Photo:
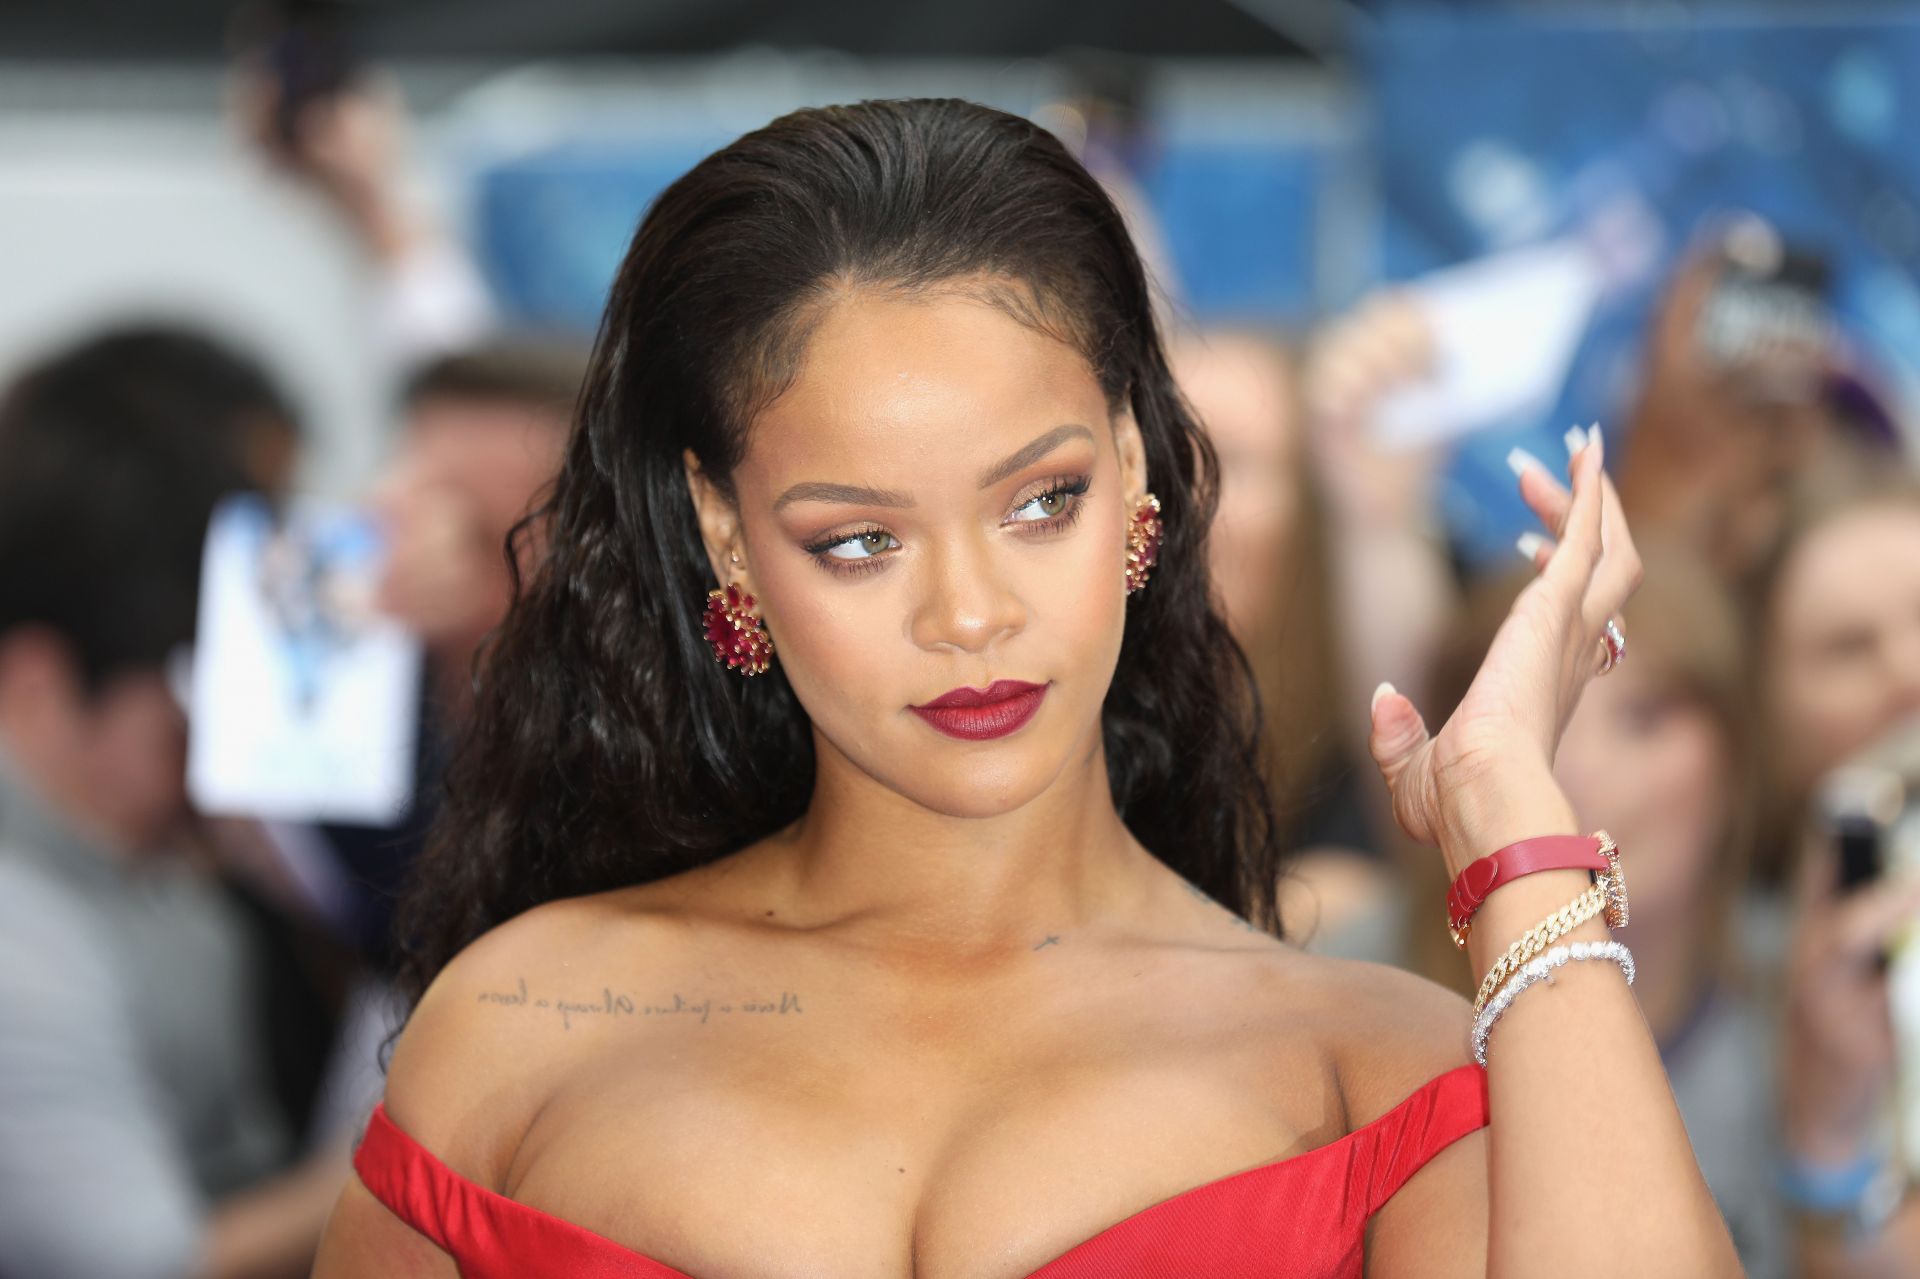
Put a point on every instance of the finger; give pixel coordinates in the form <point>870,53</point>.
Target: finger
<point>1396,734</point>
<point>1536,550</point>
<point>1620,571</point>
<point>1867,920</point>
<point>1572,567</point>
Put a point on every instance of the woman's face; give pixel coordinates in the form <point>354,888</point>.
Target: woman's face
<point>1653,767</point>
<point>1845,643</point>
<point>938,502</point>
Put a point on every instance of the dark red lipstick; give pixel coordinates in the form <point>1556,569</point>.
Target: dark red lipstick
<point>981,714</point>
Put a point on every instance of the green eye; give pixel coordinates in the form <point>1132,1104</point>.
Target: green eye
<point>862,546</point>
<point>1049,504</point>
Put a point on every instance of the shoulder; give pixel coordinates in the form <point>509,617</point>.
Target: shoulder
<point>45,921</point>
<point>1387,1031</point>
<point>494,1034</point>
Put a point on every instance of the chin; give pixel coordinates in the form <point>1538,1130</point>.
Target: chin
<point>972,779</point>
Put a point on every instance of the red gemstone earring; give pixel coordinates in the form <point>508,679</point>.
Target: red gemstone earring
<point>734,630</point>
<point>1144,531</point>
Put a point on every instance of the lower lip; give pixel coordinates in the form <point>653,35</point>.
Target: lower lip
<point>984,723</point>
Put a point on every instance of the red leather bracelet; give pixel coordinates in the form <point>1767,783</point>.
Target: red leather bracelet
<point>1595,852</point>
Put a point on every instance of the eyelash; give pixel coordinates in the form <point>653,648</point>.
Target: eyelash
<point>1074,487</point>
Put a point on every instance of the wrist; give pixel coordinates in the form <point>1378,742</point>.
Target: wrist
<point>1500,808</point>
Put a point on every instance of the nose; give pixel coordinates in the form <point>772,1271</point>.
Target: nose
<point>967,602</point>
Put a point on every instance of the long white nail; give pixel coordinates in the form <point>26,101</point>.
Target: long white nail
<point>1380,692</point>
<point>1593,434</point>
<point>1518,460</point>
<point>1576,440</point>
<point>1530,545</point>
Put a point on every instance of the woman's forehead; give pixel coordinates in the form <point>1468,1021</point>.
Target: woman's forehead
<point>1858,563</point>
<point>902,383</point>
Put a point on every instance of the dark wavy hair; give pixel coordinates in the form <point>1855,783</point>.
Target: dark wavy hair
<point>606,747</point>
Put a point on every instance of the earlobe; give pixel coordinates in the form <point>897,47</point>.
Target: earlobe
<point>1132,454</point>
<point>719,522</point>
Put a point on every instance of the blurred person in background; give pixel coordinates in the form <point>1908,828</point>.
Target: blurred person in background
<point>339,129</point>
<point>1743,388</point>
<point>142,1137</point>
<point>1836,605</point>
<point>481,434</point>
<point>1269,562</point>
<point>1332,568</point>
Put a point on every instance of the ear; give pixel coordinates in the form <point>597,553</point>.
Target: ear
<point>719,524</point>
<point>1132,454</point>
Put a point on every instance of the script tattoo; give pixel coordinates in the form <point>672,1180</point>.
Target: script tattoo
<point>619,1004</point>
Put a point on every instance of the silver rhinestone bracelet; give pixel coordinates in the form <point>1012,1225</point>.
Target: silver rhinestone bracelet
<point>1541,969</point>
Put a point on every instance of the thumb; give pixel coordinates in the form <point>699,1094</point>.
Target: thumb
<point>1398,732</point>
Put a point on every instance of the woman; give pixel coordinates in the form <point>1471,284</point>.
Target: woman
<point>1836,605</point>
<point>1269,559</point>
<point>938,948</point>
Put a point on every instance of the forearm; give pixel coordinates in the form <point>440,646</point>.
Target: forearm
<point>1591,1169</point>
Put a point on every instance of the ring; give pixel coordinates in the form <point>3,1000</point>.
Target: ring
<point>1614,641</point>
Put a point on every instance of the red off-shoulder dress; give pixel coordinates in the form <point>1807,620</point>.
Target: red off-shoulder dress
<point>1303,1218</point>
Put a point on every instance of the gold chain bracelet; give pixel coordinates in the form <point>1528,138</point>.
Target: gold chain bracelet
<point>1542,935</point>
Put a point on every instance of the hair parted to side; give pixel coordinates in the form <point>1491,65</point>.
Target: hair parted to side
<point>607,748</point>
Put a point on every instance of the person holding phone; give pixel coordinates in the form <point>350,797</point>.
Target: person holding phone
<point>1837,609</point>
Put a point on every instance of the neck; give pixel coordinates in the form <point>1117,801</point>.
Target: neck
<point>901,876</point>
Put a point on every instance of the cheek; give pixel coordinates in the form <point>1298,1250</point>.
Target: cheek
<point>847,647</point>
<point>1824,716</point>
<point>141,741</point>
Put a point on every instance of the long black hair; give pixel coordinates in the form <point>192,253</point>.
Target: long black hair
<point>606,747</point>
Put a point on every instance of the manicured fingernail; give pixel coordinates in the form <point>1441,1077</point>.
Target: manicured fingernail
<point>1530,545</point>
<point>1593,435</point>
<point>1380,692</point>
<point>1518,460</point>
<point>1576,440</point>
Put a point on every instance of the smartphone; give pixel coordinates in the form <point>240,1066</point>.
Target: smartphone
<point>1871,808</point>
<point>1859,805</point>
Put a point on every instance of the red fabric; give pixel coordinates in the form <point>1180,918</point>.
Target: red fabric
<point>1304,1217</point>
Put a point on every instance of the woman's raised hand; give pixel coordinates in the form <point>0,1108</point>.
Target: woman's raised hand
<point>1486,778</point>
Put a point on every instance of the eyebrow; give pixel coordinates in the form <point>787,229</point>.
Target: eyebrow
<point>855,494</point>
<point>861,495</point>
<point>1033,452</point>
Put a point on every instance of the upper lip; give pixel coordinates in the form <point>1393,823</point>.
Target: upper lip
<point>998,691</point>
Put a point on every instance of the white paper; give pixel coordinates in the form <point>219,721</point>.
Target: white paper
<point>304,700</point>
<point>1505,332</point>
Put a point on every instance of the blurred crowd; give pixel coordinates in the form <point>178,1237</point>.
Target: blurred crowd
<point>189,1033</point>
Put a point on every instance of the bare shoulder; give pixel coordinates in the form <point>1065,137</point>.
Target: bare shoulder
<point>1388,1031</point>
<point>475,1062</point>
